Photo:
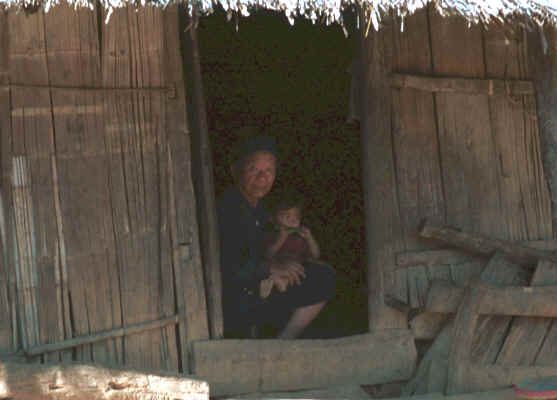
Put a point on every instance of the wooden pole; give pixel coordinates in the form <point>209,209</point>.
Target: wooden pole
<point>202,166</point>
<point>543,65</point>
<point>483,245</point>
<point>97,337</point>
<point>382,221</point>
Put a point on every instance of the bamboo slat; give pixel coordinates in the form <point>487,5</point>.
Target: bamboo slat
<point>84,220</point>
<point>134,56</point>
<point>102,336</point>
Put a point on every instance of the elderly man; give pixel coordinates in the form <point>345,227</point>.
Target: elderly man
<point>242,219</point>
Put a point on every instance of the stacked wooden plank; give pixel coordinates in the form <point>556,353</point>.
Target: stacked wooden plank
<point>501,327</point>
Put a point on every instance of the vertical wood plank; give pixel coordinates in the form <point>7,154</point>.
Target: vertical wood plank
<point>416,149</point>
<point>543,71</point>
<point>468,157</point>
<point>383,228</point>
<point>8,328</point>
<point>191,299</point>
<point>202,168</point>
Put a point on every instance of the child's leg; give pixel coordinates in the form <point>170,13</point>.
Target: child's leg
<point>300,319</point>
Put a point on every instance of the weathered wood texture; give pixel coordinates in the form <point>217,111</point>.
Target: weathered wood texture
<point>419,189</point>
<point>8,328</point>
<point>244,366</point>
<point>433,372</point>
<point>527,335</point>
<point>543,64</point>
<point>524,301</point>
<point>97,198</point>
<point>427,325</point>
<point>35,191</point>
<point>383,226</point>
<point>543,68</point>
<point>186,254</point>
<point>467,169</point>
<point>352,392</point>
<point>102,336</point>
<point>425,378</point>
<point>490,87</point>
<point>88,382</point>
<point>202,167</point>
<point>485,245</point>
<point>490,377</point>
<point>82,198</point>
<point>501,394</point>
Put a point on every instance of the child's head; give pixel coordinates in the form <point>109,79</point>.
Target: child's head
<point>288,211</point>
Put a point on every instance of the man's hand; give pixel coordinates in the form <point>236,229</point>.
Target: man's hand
<point>291,270</point>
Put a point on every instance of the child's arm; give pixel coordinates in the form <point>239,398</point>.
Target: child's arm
<point>312,243</point>
<point>276,243</point>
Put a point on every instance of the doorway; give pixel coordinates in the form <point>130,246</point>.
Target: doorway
<point>263,75</point>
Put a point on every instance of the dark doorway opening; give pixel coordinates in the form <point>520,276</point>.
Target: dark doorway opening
<point>263,75</point>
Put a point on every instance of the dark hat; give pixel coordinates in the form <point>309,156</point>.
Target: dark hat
<point>253,144</point>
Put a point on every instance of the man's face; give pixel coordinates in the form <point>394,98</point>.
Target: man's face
<point>289,218</point>
<point>257,176</point>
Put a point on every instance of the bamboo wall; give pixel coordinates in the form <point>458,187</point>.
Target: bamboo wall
<point>470,160</point>
<point>97,214</point>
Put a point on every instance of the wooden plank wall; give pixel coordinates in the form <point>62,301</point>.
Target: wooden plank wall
<point>468,160</point>
<point>96,190</point>
<point>8,329</point>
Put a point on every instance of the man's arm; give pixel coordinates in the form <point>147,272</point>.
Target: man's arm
<point>239,269</point>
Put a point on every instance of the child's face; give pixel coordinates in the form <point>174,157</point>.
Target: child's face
<point>289,218</point>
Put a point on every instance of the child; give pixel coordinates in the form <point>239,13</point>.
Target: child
<point>289,241</point>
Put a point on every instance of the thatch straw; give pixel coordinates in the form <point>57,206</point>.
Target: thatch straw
<point>330,11</point>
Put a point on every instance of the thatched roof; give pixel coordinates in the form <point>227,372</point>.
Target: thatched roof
<point>329,11</point>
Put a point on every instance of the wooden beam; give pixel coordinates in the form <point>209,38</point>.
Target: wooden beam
<point>501,394</point>
<point>464,327</point>
<point>245,366</point>
<point>100,336</point>
<point>480,244</point>
<point>427,325</point>
<point>443,297</point>
<point>524,301</point>
<point>202,168</point>
<point>543,66</point>
<point>412,258</point>
<point>88,382</point>
<point>490,87</point>
<point>433,257</point>
<point>496,376</point>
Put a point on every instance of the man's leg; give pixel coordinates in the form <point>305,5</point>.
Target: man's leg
<point>300,319</point>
